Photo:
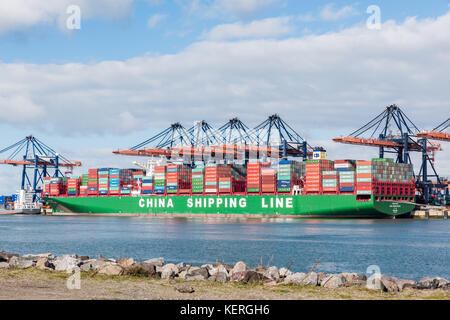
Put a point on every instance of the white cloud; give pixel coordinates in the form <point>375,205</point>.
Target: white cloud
<point>330,13</point>
<point>155,19</point>
<point>323,85</point>
<point>266,28</point>
<point>22,14</point>
<point>219,8</point>
<point>242,7</point>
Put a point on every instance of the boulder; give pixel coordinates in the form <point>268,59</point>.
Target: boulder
<point>169,271</point>
<point>253,277</point>
<point>182,274</point>
<point>238,276</point>
<point>5,256</point>
<point>432,283</point>
<point>375,283</point>
<point>405,284</point>
<point>93,264</point>
<point>181,265</point>
<point>284,272</point>
<point>142,269</point>
<point>239,267</point>
<point>321,276</point>
<point>217,269</point>
<point>44,263</point>
<point>219,276</point>
<point>354,279</point>
<point>333,281</point>
<point>184,289</point>
<point>197,274</point>
<point>390,284</point>
<point>295,278</point>
<point>36,257</point>
<point>111,270</point>
<point>126,263</point>
<point>157,262</point>
<point>84,258</point>
<point>272,273</point>
<point>4,265</point>
<point>208,266</point>
<point>66,263</point>
<point>311,279</point>
<point>19,262</point>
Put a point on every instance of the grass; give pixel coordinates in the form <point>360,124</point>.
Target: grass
<point>34,283</point>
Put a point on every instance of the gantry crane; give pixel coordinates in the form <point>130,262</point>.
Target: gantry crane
<point>234,139</point>
<point>38,157</point>
<point>393,132</point>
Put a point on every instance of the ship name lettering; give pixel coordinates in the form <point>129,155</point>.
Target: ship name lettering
<point>279,203</point>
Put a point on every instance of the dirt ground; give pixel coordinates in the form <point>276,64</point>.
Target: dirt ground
<point>32,284</point>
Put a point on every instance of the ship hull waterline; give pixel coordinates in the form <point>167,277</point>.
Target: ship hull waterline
<point>231,206</point>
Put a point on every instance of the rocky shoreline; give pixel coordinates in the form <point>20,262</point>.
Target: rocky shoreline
<point>218,272</point>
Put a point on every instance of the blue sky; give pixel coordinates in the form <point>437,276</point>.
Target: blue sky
<point>129,36</point>
<point>136,66</point>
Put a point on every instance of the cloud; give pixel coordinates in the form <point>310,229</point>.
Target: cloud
<point>329,13</point>
<point>266,28</point>
<point>323,85</point>
<point>155,19</point>
<point>22,14</point>
<point>243,7</point>
<point>218,8</point>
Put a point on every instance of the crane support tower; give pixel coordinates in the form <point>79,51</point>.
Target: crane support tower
<point>34,155</point>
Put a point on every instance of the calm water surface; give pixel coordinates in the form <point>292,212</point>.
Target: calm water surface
<point>409,249</point>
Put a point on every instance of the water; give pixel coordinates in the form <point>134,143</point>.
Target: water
<point>410,249</point>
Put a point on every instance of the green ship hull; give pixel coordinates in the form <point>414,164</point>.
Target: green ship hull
<point>248,206</point>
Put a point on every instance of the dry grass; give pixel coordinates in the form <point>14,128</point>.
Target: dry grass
<point>41,284</point>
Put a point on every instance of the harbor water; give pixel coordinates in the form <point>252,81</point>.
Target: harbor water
<point>404,248</point>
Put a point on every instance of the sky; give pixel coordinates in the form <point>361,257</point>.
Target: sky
<point>88,77</point>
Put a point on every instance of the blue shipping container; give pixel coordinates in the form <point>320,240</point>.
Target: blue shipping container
<point>347,189</point>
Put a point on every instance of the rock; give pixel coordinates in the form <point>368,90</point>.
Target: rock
<point>354,279</point>
<point>431,283</point>
<point>333,281</point>
<point>284,272</point>
<point>84,258</point>
<point>19,262</point>
<point>390,284</point>
<point>295,278</point>
<point>44,263</point>
<point>272,273</point>
<point>375,283</point>
<point>169,271</point>
<point>311,279</point>
<point>111,270</point>
<point>181,265</point>
<point>4,265</point>
<point>184,289</point>
<point>36,257</point>
<point>157,262</point>
<point>126,263</point>
<point>197,274</point>
<point>239,267</point>
<point>93,264</point>
<point>5,256</point>
<point>142,269</point>
<point>405,284</point>
<point>219,276</point>
<point>320,276</point>
<point>182,274</point>
<point>238,276</point>
<point>172,267</point>
<point>208,266</point>
<point>66,263</point>
<point>253,277</point>
<point>217,269</point>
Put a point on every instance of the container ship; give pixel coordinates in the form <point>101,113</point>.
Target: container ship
<point>284,189</point>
